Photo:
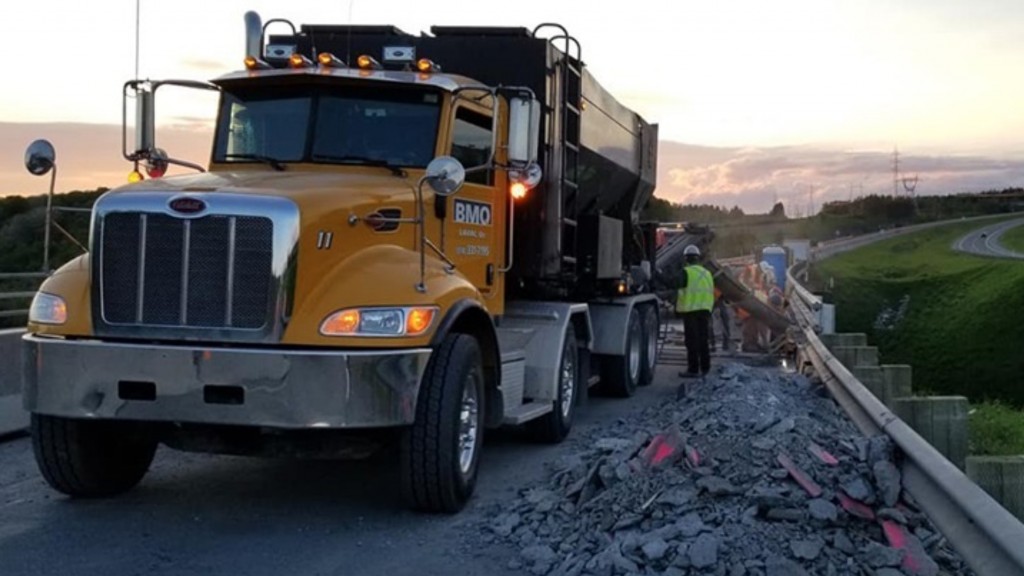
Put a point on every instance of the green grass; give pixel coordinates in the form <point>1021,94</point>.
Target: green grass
<point>996,430</point>
<point>963,327</point>
<point>1014,239</point>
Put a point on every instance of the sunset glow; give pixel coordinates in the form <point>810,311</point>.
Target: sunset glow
<point>774,96</point>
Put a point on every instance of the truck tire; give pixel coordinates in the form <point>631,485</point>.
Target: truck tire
<point>91,458</point>
<point>622,373</point>
<point>554,426</point>
<point>440,452</point>
<point>650,329</point>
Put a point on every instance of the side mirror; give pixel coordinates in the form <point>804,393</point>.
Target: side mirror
<point>445,175</point>
<point>523,130</point>
<point>145,119</point>
<point>40,157</point>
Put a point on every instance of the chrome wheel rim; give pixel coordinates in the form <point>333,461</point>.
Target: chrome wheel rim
<point>568,383</point>
<point>634,355</point>
<point>652,346</point>
<point>468,424</point>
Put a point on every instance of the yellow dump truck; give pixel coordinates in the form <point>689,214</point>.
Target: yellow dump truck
<point>399,240</point>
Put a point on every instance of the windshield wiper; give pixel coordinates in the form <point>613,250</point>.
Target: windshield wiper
<point>273,162</point>
<point>362,160</point>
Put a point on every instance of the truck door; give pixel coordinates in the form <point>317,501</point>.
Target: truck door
<point>475,223</point>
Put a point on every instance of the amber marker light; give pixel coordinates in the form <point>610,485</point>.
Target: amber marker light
<point>518,190</point>
<point>254,63</point>
<point>329,60</point>
<point>299,61</point>
<point>341,323</point>
<point>418,320</point>
<point>426,65</point>
<point>135,176</point>
<point>366,62</point>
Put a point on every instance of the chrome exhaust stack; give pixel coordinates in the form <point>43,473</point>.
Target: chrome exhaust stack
<point>253,35</point>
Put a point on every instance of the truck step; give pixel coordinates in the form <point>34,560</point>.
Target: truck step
<point>527,412</point>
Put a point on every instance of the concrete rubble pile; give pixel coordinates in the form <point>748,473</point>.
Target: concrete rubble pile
<point>755,472</point>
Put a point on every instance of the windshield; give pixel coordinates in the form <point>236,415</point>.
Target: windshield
<point>331,125</point>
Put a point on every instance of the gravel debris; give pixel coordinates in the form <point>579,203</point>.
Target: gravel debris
<point>695,486</point>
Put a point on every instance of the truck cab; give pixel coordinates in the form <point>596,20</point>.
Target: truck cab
<point>342,275</point>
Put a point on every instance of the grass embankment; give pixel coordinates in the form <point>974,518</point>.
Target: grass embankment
<point>1013,239</point>
<point>957,319</point>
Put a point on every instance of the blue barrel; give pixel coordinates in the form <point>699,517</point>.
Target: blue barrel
<point>775,256</point>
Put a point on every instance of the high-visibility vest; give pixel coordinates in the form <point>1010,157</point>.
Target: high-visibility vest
<point>699,293</point>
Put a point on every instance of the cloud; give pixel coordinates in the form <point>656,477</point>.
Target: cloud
<point>89,156</point>
<point>755,178</point>
<point>206,65</point>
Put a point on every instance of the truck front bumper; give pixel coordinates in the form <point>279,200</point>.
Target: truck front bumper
<point>293,389</point>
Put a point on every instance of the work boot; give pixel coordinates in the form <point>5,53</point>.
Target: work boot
<point>688,374</point>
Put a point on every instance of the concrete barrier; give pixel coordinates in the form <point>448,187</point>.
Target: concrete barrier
<point>1002,477</point>
<point>941,420</point>
<point>12,416</point>
<point>848,339</point>
<point>855,356</point>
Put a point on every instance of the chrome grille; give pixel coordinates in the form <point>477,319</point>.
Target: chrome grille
<point>209,272</point>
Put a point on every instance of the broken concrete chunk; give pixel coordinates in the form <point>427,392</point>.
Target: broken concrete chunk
<point>655,549</point>
<point>716,486</point>
<point>822,510</point>
<point>704,551</point>
<point>806,549</point>
<point>539,554</point>
<point>690,525</point>
<point>843,543</point>
<point>888,480</point>
<point>859,489</point>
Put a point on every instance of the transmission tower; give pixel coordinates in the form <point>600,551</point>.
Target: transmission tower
<point>910,185</point>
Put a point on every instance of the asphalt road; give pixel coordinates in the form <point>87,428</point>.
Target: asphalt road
<point>200,514</point>
<point>985,241</point>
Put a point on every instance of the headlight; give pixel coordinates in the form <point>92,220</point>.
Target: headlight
<point>48,309</point>
<point>380,322</point>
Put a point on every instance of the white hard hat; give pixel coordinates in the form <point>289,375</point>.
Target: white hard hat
<point>691,250</point>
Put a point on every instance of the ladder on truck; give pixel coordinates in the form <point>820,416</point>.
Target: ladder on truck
<point>566,98</point>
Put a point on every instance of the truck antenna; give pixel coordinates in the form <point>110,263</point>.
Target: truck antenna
<point>348,39</point>
<point>137,39</point>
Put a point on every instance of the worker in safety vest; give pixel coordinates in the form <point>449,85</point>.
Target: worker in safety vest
<point>695,300</point>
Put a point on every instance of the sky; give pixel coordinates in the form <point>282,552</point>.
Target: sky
<point>795,100</point>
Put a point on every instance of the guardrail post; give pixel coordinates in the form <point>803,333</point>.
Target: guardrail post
<point>1002,477</point>
<point>854,356</point>
<point>849,339</point>
<point>941,420</point>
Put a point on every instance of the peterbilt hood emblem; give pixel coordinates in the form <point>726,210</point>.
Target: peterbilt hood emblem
<point>187,205</point>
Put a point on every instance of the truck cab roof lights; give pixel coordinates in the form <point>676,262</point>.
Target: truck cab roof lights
<point>329,60</point>
<point>426,65</point>
<point>367,62</point>
<point>299,61</point>
<point>254,63</point>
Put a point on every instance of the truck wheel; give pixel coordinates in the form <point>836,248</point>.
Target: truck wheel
<point>623,372</point>
<point>650,329</point>
<point>440,452</point>
<point>554,426</point>
<point>91,458</point>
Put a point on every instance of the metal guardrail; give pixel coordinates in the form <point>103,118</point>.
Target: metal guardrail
<point>990,539</point>
<point>19,295</point>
